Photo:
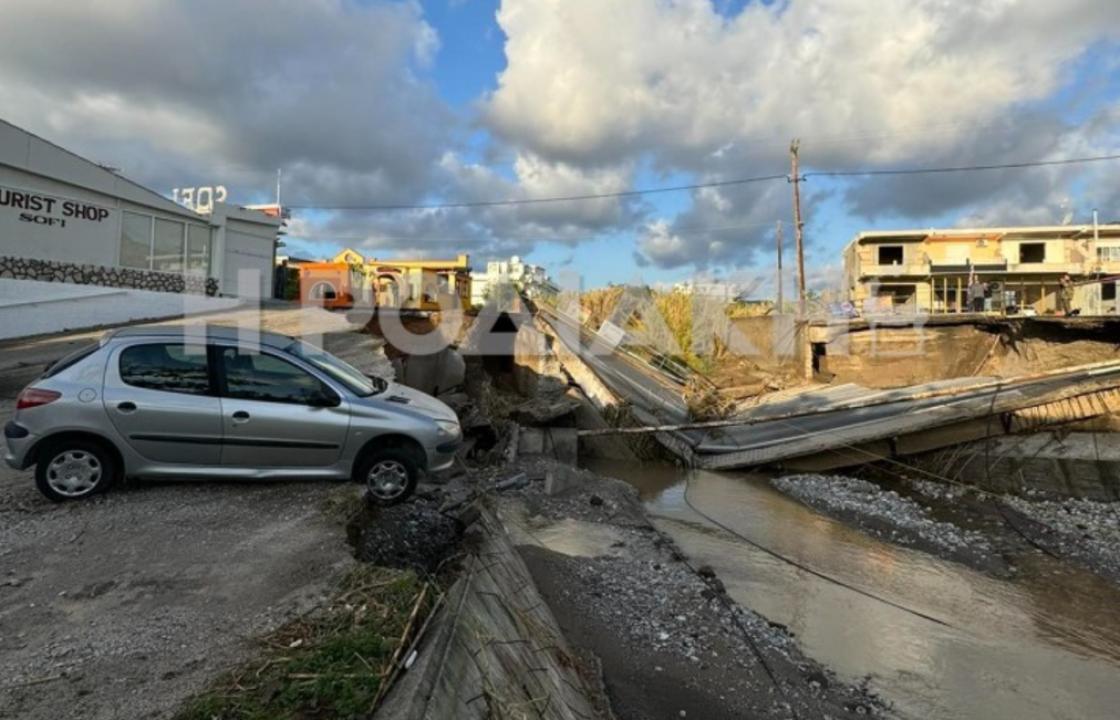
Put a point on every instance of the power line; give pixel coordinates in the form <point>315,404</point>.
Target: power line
<point>715,184</point>
<point>961,168</point>
<point>684,230</point>
<point>562,198</point>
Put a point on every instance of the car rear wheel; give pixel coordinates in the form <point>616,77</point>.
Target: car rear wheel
<point>74,469</point>
<point>390,474</point>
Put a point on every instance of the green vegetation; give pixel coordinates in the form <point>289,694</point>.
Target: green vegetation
<point>330,664</point>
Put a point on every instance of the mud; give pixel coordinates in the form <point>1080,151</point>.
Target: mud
<point>670,642</point>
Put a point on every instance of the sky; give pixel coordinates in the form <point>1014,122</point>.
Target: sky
<point>386,102</point>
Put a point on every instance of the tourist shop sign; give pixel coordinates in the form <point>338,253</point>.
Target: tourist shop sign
<point>41,209</point>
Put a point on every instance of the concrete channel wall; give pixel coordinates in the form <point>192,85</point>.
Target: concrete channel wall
<point>1078,465</point>
<point>495,650</point>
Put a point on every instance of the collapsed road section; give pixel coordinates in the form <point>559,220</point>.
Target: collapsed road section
<point>941,592</point>
<point>841,426</point>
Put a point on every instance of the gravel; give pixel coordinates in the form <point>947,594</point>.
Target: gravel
<point>669,638</point>
<point>890,516</point>
<point>1087,530</point>
<point>413,535</point>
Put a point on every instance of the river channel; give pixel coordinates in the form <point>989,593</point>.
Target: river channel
<point>1045,644</point>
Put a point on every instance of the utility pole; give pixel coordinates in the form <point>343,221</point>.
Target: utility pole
<point>795,178</point>
<point>781,296</point>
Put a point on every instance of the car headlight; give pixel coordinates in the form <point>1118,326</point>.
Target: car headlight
<point>448,427</point>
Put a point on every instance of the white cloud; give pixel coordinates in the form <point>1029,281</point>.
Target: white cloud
<point>216,91</point>
<point>595,82</point>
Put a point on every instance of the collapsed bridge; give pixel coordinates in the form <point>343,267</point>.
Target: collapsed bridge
<point>827,427</point>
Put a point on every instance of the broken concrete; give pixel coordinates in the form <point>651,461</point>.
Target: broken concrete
<point>559,443</point>
<point>545,410</point>
<point>435,373</point>
<point>495,651</point>
<point>1053,464</point>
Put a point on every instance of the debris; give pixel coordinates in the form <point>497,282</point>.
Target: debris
<point>544,411</point>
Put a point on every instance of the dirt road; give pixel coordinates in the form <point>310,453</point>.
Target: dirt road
<point>124,605</point>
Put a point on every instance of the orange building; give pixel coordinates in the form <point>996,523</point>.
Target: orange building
<point>349,279</point>
<point>333,285</point>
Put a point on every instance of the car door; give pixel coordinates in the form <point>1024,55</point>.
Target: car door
<point>275,413</point>
<point>160,398</point>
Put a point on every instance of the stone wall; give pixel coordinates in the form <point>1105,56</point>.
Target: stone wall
<point>56,271</point>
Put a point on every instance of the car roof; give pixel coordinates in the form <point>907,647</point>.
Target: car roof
<point>213,332</point>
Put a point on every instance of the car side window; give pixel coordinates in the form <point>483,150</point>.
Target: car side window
<point>170,367</point>
<point>257,376</point>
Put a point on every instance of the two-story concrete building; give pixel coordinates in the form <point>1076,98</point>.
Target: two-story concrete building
<point>928,271</point>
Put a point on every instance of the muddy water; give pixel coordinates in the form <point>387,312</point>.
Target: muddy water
<point>1044,645</point>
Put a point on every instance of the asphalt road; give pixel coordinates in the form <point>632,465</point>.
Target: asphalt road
<point>622,374</point>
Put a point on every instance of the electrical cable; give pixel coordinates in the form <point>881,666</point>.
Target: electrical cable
<point>562,198</point>
<point>961,168</point>
<point>802,566</point>
<point>714,184</point>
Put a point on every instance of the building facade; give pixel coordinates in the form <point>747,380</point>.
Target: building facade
<point>350,279</point>
<point>929,271</point>
<point>64,218</point>
<point>533,280</point>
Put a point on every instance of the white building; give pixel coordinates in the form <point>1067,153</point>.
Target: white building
<point>64,218</point>
<point>531,279</point>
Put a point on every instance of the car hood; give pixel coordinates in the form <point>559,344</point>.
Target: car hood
<point>419,401</point>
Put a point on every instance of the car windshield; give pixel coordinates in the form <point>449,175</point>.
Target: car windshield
<point>354,380</point>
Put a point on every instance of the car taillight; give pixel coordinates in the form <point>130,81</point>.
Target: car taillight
<point>34,397</point>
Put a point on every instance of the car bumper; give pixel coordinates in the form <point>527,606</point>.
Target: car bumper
<point>442,456</point>
<point>17,441</point>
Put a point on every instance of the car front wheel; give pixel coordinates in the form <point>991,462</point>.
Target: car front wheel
<point>73,470</point>
<point>390,474</point>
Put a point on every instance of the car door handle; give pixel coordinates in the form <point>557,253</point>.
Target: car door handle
<point>127,406</point>
<point>240,416</point>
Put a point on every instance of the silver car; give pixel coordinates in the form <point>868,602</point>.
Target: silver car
<point>163,401</point>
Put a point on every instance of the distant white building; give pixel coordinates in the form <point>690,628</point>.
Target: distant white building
<point>533,280</point>
<point>726,290</point>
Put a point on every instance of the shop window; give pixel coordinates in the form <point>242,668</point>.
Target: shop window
<point>136,241</point>
<point>890,254</point>
<point>198,249</point>
<point>167,246</point>
<point>1108,290</point>
<point>1032,252</point>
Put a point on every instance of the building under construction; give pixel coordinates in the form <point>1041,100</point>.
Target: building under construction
<point>929,271</point>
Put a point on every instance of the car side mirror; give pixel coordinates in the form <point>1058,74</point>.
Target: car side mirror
<point>324,398</point>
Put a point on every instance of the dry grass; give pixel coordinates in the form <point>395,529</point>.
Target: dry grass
<point>333,663</point>
<point>598,304</point>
